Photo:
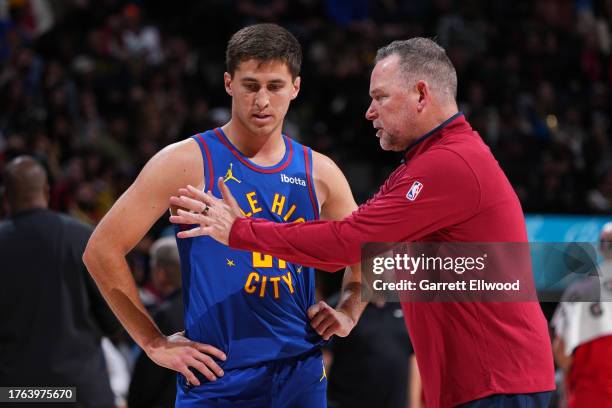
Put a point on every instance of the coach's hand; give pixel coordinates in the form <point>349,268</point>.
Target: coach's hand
<point>178,353</point>
<point>214,216</point>
<point>327,321</point>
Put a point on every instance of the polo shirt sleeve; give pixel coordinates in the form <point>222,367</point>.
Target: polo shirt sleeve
<point>435,190</point>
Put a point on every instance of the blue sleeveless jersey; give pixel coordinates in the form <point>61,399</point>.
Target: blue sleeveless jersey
<point>248,304</point>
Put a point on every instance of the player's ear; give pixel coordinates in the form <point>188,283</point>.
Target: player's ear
<point>296,87</point>
<point>227,81</point>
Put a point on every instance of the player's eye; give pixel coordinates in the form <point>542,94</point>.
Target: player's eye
<point>274,87</point>
<point>252,87</point>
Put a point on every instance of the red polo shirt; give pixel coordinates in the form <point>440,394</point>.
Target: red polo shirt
<point>449,189</point>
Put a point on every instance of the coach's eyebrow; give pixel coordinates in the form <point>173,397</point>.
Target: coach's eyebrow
<point>375,91</point>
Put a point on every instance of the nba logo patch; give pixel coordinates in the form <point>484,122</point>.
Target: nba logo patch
<point>414,191</point>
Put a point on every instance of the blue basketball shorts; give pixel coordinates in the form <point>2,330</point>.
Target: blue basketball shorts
<point>297,382</point>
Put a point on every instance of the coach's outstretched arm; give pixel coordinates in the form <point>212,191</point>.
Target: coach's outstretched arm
<point>390,216</point>
<point>119,231</point>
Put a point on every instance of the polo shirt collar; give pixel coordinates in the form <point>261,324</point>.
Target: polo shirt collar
<point>423,142</point>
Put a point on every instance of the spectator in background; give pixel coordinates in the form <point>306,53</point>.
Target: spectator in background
<point>583,335</point>
<point>52,313</point>
<point>150,64</point>
<point>154,386</point>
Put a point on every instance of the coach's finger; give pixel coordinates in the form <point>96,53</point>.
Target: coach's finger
<point>188,203</point>
<point>227,195</point>
<point>184,191</point>
<point>189,218</point>
<point>204,196</point>
<point>195,232</point>
<point>179,219</point>
<point>185,217</point>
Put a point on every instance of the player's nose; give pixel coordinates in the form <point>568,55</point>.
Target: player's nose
<point>262,99</point>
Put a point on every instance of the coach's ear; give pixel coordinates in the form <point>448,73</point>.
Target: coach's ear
<point>296,87</point>
<point>227,81</point>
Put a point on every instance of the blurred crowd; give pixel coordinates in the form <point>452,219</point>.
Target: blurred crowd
<point>94,89</point>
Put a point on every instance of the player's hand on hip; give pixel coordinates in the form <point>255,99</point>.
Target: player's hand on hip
<point>214,217</point>
<point>327,321</point>
<point>178,353</point>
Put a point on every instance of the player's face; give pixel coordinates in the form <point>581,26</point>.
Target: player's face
<point>392,110</point>
<point>261,93</point>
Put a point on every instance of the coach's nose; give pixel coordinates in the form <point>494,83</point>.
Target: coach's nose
<point>371,112</point>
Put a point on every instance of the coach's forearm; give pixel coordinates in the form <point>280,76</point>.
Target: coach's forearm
<point>110,270</point>
<point>320,244</point>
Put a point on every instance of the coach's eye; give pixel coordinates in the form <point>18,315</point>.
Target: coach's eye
<point>274,88</point>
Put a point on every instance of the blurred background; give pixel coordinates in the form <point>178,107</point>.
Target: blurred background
<point>94,88</point>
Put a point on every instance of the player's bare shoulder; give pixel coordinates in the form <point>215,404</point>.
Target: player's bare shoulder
<point>329,180</point>
<point>177,165</point>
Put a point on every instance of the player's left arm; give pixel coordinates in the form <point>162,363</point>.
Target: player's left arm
<point>336,200</point>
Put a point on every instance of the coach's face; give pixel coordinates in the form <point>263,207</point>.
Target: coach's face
<point>261,93</point>
<point>394,105</point>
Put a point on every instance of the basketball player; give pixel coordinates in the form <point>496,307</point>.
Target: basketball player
<point>252,333</point>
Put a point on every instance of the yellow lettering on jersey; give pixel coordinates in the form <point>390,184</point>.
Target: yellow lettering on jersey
<point>253,202</point>
<point>288,281</point>
<point>258,283</point>
<point>290,212</point>
<point>245,214</point>
<point>278,203</point>
<point>262,260</point>
<point>266,261</point>
<point>262,290</point>
<point>275,280</point>
<point>300,220</point>
<point>248,286</point>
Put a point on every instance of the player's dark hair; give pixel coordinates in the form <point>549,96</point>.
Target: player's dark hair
<point>264,43</point>
<point>422,58</point>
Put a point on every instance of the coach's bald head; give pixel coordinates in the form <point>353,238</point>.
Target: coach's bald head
<point>26,184</point>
